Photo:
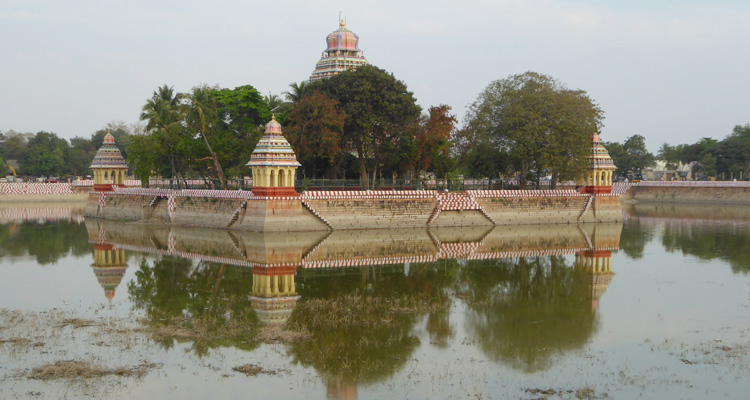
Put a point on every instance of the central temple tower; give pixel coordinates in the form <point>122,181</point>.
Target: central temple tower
<point>342,54</point>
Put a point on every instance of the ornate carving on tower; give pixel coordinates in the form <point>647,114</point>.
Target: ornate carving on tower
<point>598,177</point>
<point>109,166</point>
<point>273,164</point>
<point>342,54</point>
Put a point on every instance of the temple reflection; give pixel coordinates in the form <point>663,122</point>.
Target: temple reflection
<point>532,292</point>
<point>274,295</point>
<point>110,263</point>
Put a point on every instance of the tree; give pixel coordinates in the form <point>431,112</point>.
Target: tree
<point>708,164</point>
<point>297,92</point>
<point>273,101</point>
<point>432,137</point>
<point>314,130</point>
<point>44,155</point>
<point>202,117</point>
<point>632,155</point>
<point>667,153</point>
<point>484,161</point>
<point>15,145</point>
<point>164,124</point>
<point>535,118</point>
<point>242,112</point>
<point>378,109</point>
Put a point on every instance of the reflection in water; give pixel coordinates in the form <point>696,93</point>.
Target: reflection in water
<point>274,295</point>
<point>703,232</point>
<point>206,305</point>
<point>359,308</point>
<point>109,267</point>
<point>526,311</point>
<point>357,297</point>
<point>45,233</point>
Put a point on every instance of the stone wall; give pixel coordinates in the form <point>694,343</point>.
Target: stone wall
<point>461,218</point>
<point>690,194</point>
<point>346,211</point>
<point>124,207</point>
<point>604,209</point>
<point>374,244</point>
<point>209,212</point>
<point>533,210</point>
<point>374,213</point>
<point>278,215</point>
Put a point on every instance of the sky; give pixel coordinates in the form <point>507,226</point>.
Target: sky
<point>672,71</point>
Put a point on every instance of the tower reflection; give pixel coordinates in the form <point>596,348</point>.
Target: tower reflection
<point>365,299</point>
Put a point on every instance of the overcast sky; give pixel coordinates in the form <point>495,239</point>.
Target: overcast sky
<point>672,71</point>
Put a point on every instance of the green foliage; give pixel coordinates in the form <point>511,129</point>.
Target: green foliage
<point>200,133</point>
<point>314,130</point>
<point>630,156</point>
<point>378,108</point>
<point>484,161</point>
<point>297,92</point>
<point>536,119</point>
<point>429,148</point>
<point>525,312</point>
<point>728,157</point>
<point>46,243</point>
<point>44,155</point>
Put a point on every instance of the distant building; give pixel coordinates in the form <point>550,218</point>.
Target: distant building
<point>342,54</point>
<point>662,171</point>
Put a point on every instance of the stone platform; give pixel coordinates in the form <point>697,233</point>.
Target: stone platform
<point>353,210</point>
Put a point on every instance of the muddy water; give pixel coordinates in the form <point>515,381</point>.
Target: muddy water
<point>657,307</point>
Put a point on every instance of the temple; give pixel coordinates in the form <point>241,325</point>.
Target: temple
<point>342,54</point>
<point>109,166</point>
<point>273,295</point>
<point>273,164</point>
<point>598,178</point>
<point>109,264</point>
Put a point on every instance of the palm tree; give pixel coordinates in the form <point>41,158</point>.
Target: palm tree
<point>272,100</point>
<point>163,118</point>
<point>297,92</point>
<point>202,116</point>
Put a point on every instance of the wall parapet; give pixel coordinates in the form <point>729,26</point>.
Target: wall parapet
<point>707,184</point>
<point>353,210</point>
<point>35,188</point>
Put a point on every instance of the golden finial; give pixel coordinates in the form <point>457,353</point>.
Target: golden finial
<point>273,116</point>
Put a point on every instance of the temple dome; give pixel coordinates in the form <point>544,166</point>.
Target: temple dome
<point>108,156</point>
<point>273,149</point>
<point>599,156</point>
<point>342,54</point>
<point>342,39</point>
<point>273,126</point>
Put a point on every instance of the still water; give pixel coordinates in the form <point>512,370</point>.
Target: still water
<point>656,307</point>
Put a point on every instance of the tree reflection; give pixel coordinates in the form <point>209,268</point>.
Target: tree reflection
<point>207,304</point>
<point>525,311</point>
<point>362,321</point>
<point>47,242</point>
<point>634,238</point>
<point>710,241</point>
